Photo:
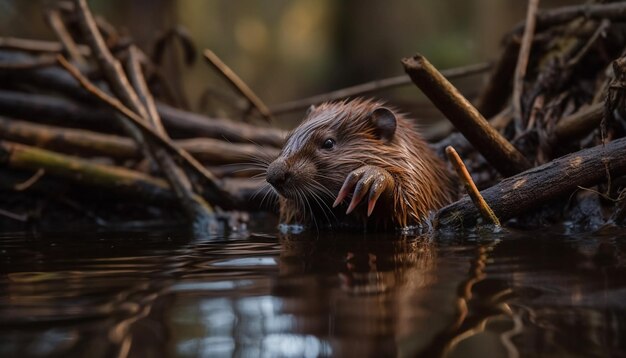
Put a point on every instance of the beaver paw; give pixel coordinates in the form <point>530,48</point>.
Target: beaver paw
<point>366,179</point>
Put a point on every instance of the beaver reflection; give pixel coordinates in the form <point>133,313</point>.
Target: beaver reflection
<point>368,297</point>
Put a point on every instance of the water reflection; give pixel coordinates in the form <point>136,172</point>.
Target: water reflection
<point>157,295</point>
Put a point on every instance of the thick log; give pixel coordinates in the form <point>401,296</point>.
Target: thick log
<point>532,188</point>
<point>494,95</point>
<point>120,179</point>
<point>577,125</point>
<point>180,124</point>
<point>187,124</point>
<point>54,110</point>
<point>115,179</point>
<point>501,154</point>
<point>87,143</point>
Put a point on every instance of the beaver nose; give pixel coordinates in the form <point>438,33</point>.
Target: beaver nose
<point>277,173</point>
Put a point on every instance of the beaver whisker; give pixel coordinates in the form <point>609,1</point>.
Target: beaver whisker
<point>273,197</point>
<point>300,193</point>
<point>262,166</point>
<point>332,178</point>
<point>361,133</point>
<point>320,202</point>
<point>324,190</point>
<point>269,191</point>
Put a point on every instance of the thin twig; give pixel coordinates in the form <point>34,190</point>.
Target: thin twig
<point>470,187</point>
<point>522,64</point>
<point>110,66</point>
<point>30,181</point>
<point>600,31</point>
<point>140,86</point>
<point>373,86</point>
<point>17,217</point>
<point>238,84</point>
<point>42,61</point>
<point>490,143</point>
<point>55,20</point>
<point>36,46</point>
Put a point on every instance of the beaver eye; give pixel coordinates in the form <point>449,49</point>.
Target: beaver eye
<point>328,143</point>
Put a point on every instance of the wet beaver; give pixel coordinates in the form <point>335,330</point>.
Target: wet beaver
<point>364,151</point>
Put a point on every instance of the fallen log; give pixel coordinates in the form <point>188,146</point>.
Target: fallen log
<point>115,179</point>
<point>188,124</point>
<point>86,143</point>
<point>577,125</point>
<point>520,193</point>
<point>180,124</point>
<point>118,179</point>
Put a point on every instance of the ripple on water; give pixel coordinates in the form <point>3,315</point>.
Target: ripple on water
<point>151,294</point>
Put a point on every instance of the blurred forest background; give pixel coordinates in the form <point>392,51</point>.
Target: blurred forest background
<point>287,50</point>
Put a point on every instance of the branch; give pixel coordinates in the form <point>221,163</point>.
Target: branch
<point>109,65</point>
<point>532,188</point>
<point>113,178</point>
<point>470,187</point>
<point>140,86</point>
<point>377,85</point>
<point>496,92</point>
<point>501,154</point>
<point>237,83</point>
<point>55,20</point>
<point>577,125</point>
<point>36,46</point>
<point>522,64</point>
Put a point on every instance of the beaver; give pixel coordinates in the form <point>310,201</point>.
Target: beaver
<point>350,150</point>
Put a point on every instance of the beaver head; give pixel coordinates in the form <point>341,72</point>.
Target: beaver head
<point>337,139</point>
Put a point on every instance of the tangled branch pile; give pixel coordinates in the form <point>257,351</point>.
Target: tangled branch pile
<point>93,120</point>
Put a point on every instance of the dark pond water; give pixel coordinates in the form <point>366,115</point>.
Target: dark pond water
<point>164,294</point>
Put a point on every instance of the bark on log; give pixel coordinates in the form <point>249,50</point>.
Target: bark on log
<point>20,156</point>
<point>525,191</point>
<point>115,179</point>
<point>180,124</point>
<point>86,143</point>
<point>501,154</point>
<point>189,124</point>
<point>577,125</point>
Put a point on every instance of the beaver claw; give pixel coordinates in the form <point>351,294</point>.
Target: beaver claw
<point>366,179</point>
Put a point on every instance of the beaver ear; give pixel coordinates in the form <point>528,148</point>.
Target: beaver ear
<point>310,110</point>
<point>384,120</point>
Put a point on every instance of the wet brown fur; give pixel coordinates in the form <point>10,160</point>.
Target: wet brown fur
<point>422,183</point>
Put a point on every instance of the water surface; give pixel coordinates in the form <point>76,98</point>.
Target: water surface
<point>143,294</point>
